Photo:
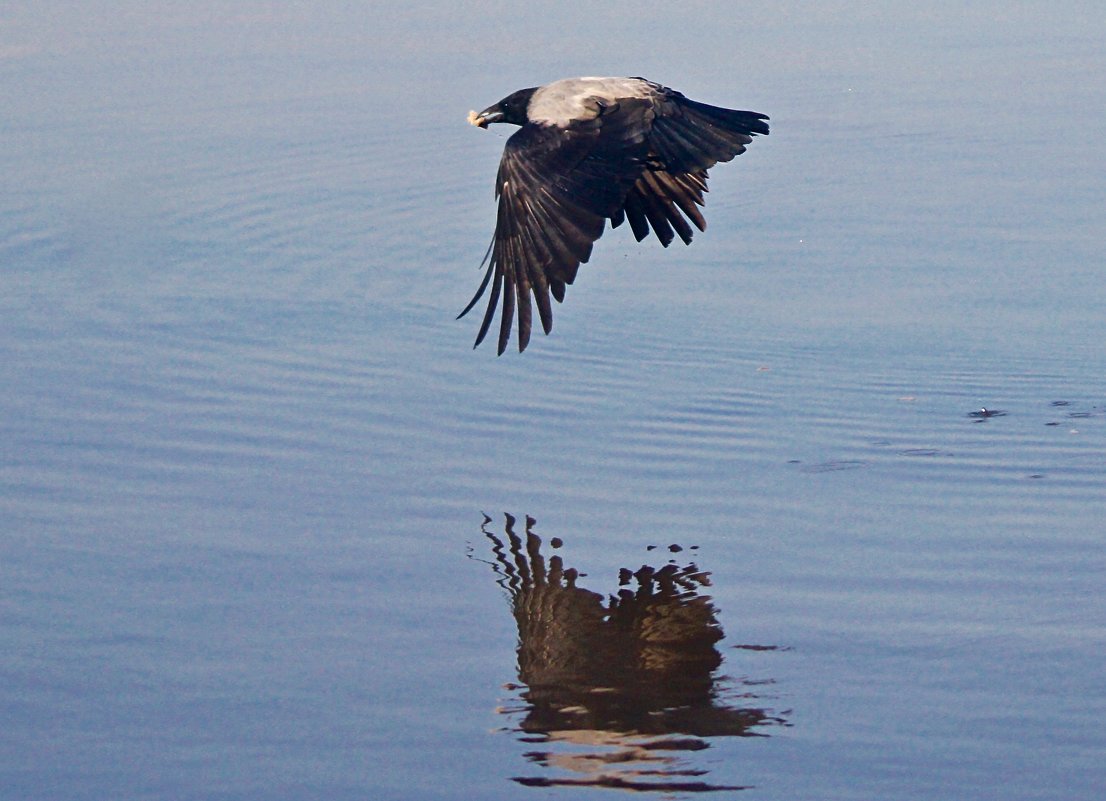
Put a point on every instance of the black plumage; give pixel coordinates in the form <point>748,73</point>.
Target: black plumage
<point>591,150</point>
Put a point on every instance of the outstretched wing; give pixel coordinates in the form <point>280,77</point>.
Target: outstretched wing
<point>556,187</point>
<point>687,138</point>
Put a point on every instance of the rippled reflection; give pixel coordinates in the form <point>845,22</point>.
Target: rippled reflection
<point>618,690</point>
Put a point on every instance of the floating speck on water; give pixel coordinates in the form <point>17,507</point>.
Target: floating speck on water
<point>835,465</point>
<point>986,414</point>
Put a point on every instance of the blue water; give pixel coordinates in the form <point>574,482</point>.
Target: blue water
<point>258,493</point>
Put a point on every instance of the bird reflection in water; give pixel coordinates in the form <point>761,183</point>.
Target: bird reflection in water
<point>618,689</point>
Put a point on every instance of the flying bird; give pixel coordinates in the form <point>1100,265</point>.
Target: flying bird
<point>591,150</point>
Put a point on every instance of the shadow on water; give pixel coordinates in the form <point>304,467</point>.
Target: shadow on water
<point>619,690</point>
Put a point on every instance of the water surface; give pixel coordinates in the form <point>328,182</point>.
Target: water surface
<point>258,494</point>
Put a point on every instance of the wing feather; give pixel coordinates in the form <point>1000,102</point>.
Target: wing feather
<point>556,188</point>
<point>497,285</point>
<point>685,140</point>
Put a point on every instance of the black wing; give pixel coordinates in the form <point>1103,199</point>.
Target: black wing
<point>556,188</point>
<point>687,138</point>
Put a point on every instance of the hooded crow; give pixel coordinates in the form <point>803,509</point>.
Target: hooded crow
<point>591,150</point>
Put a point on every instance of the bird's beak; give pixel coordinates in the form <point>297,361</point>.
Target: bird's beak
<point>485,117</point>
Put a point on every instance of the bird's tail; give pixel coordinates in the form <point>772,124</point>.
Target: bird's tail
<point>702,135</point>
<point>749,123</point>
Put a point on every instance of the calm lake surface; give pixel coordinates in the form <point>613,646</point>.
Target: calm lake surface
<point>811,508</point>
